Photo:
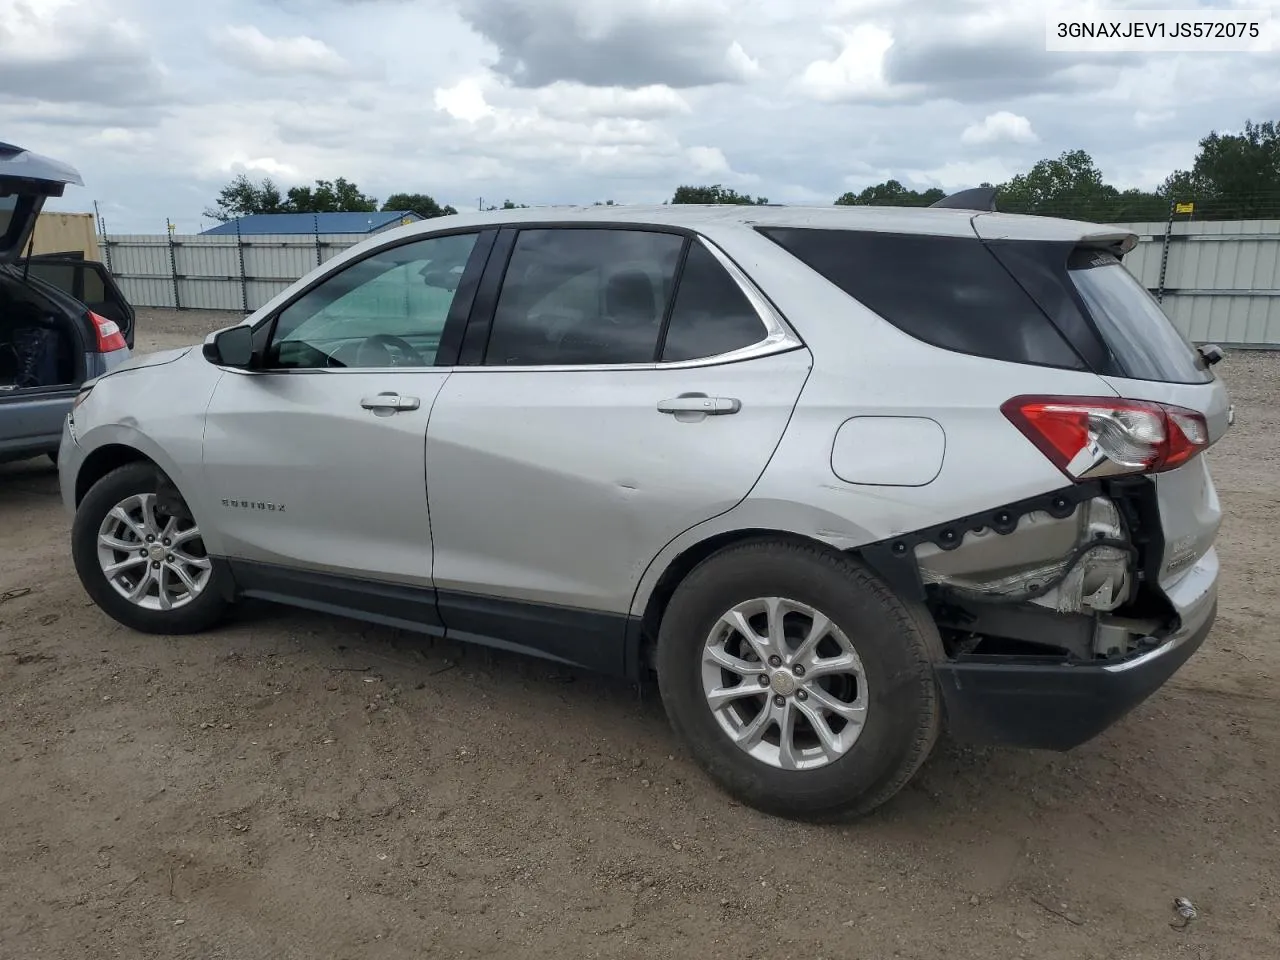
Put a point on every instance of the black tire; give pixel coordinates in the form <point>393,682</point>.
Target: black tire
<point>53,457</point>
<point>897,643</point>
<point>195,616</point>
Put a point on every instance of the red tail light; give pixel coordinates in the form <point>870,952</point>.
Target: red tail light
<point>108,331</point>
<point>1088,437</point>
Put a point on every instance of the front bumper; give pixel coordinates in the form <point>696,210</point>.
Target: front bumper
<point>1059,705</point>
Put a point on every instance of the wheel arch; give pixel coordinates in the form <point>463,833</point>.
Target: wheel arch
<point>103,460</point>
<point>676,569</point>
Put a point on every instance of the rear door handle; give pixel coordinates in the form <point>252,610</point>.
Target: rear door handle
<point>701,403</point>
<point>390,401</point>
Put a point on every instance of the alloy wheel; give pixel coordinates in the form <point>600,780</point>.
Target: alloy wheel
<point>784,683</point>
<point>154,561</point>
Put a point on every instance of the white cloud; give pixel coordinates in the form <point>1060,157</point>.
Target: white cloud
<point>1143,119</point>
<point>251,49</point>
<point>999,127</point>
<point>464,100</point>
<point>857,72</point>
<point>708,161</point>
<point>74,51</point>
<point>960,174</point>
<point>34,31</point>
<point>575,101</point>
<point>741,64</point>
<point>581,100</point>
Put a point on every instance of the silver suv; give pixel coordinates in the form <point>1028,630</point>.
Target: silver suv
<point>839,476</point>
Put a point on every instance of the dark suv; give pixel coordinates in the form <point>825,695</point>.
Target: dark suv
<point>63,320</point>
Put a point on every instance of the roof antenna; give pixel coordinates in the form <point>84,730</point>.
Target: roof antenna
<point>975,198</point>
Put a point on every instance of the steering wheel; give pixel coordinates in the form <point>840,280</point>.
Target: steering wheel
<point>384,343</point>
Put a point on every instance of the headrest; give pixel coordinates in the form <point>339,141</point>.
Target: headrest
<point>629,296</point>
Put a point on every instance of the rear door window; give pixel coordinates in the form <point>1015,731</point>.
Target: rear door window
<point>947,291</point>
<point>583,296</point>
<point>711,315</point>
<point>1146,345</point>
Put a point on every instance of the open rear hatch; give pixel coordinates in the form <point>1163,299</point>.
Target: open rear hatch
<point>26,179</point>
<point>88,281</point>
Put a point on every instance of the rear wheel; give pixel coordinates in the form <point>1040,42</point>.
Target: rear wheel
<point>146,568</point>
<point>802,684</point>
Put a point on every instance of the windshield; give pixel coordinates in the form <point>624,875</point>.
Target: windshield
<point>1144,341</point>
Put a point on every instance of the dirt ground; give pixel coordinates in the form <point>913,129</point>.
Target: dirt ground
<point>300,786</point>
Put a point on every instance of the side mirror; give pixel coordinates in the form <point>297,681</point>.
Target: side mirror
<point>1212,353</point>
<point>232,347</point>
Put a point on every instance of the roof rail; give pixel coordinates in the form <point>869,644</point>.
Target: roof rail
<point>975,198</point>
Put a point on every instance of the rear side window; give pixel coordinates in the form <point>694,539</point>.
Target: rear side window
<point>947,291</point>
<point>15,208</point>
<point>711,315</point>
<point>582,296</point>
<point>1143,340</point>
<point>7,206</point>
<point>74,279</point>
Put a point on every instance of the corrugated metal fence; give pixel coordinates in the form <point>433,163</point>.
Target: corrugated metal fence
<point>1218,280</point>
<point>215,273</point>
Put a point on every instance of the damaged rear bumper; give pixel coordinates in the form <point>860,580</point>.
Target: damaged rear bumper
<point>1059,705</point>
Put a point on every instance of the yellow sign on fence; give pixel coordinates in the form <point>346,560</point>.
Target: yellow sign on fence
<point>1184,208</point>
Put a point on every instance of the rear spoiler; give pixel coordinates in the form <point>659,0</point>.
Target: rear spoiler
<point>983,200</point>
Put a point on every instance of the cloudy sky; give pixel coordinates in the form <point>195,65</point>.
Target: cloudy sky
<point>555,101</point>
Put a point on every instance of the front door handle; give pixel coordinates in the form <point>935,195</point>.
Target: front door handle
<point>701,403</point>
<point>390,401</point>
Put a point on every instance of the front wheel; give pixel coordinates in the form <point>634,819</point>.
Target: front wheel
<point>147,569</point>
<point>802,684</point>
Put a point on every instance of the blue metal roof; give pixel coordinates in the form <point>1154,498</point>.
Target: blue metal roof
<point>261,223</point>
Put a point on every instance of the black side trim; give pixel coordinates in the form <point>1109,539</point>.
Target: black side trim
<point>665,326</point>
<point>463,298</point>
<point>582,638</point>
<point>390,604</point>
<point>605,643</point>
<point>475,339</point>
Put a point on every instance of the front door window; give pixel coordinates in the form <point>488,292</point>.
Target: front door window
<point>387,310</point>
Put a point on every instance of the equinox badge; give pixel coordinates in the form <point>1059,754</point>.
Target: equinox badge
<point>254,505</point>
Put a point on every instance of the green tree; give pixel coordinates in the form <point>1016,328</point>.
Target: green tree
<point>714,194</point>
<point>330,196</point>
<point>506,205</point>
<point>242,197</point>
<point>420,203</point>
<point>891,193</point>
<point>1234,176</point>
<point>1134,205</point>
<point>1072,183</point>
